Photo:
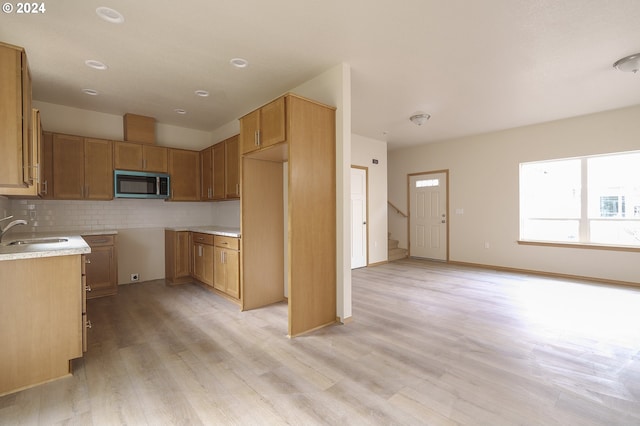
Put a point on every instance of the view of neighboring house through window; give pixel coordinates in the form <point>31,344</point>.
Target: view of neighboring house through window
<point>592,199</point>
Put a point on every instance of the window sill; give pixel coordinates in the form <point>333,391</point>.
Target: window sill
<point>580,246</point>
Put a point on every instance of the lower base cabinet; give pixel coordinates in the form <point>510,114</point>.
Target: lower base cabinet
<point>101,266</point>
<point>42,320</point>
<point>227,265</point>
<point>209,259</point>
<point>202,255</point>
<point>177,265</point>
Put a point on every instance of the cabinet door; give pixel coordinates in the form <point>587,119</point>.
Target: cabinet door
<point>15,113</point>
<point>207,267</point>
<point>98,169</point>
<point>248,131</point>
<point>182,254</point>
<point>68,167</point>
<point>206,162</point>
<point>154,158</point>
<point>218,171</point>
<point>232,167</point>
<point>232,270</point>
<point>46,166</point>
<point>127,156</point>
<point>184,168</point>
<point>219,275</point>
<point>101,271</point>
<point>272,123</point>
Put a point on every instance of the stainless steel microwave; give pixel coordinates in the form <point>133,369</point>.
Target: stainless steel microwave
<point>128,184</point>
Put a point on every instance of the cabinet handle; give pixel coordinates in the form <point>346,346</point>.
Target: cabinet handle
<point>46,187</point>
<point>88,324</point>
<point>87,287</point>
<point>87,261</point>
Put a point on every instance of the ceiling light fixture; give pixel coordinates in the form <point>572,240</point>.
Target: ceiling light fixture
<point>202,93</point>
<point>96,65</point>
<point>110,15</point>
<point>419,118</point>
<point>180,111</point>
<point>90,92</point>
<point>239,62</point>
<point>629,63</point>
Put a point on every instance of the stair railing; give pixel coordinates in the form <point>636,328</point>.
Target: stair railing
<point>400,212</point>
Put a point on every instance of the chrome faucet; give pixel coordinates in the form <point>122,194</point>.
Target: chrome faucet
<point>10,225</point>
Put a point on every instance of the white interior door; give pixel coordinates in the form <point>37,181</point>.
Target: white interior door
<point>358,218</point>
<point>428,216</point>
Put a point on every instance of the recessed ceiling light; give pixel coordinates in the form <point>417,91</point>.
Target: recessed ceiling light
<point>110,15</point>
<point>239,62</point>
<point>202,93</point>
<point>90,92</point>
<point>92,63</point>
<point>180,111</point>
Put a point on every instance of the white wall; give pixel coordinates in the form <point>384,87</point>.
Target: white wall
<point>64,119</point>
<point>363,151</point>
<point>333,87</point>
<point>484,173</point>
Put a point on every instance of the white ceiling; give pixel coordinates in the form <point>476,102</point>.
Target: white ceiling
<point>475,66</point>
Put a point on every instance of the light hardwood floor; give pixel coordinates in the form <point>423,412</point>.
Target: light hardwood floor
<point>429,344</point>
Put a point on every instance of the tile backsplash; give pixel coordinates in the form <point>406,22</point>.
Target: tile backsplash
<point>59,215</point>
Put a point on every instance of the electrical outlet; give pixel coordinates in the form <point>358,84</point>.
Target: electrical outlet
<point>135,277</point>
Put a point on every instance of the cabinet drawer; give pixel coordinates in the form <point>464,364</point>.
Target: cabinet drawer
<point>202,238</point>
<point>99,240</point>
<point>227,242</point>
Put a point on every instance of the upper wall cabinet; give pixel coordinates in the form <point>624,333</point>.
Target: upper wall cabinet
<point>18,162</point>
<point>221,170</point>
<point>139,157</point>
<point>184,169</point>
<point>263,127</point>
<point>82,168</point>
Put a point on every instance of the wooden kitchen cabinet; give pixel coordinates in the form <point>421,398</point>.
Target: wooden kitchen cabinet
<point>232,167</point>
<point>218,171</point>
<point>46,166</point>
<point>263,127</point>
<point>220,164</point>
<point>17,162</point>
<point>82,168</point>
<point>227,265</point>
<point>101,266</point>
<point>202,256</point>
<point>206,169</point>
<point>184,169</point>
<point>177,246</point>
<point>310,243</point>
<point>41,328</point>
<point>139,157</point>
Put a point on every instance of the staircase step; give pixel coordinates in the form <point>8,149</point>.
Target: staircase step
<point>397,253</point>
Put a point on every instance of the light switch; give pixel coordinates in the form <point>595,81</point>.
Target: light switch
<point>459,211</point>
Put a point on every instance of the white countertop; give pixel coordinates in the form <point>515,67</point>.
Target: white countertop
<point>73,246</point>
<point>225,231</point>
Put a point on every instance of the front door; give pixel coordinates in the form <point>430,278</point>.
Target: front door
<point>358,217</point>
<point>428,215</point>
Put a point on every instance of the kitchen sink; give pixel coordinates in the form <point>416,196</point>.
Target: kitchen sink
<point>38,241</point>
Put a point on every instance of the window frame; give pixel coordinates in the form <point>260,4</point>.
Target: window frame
<point>584,221</point>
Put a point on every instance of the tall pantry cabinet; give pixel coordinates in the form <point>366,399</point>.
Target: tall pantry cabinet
<point>299,132</point>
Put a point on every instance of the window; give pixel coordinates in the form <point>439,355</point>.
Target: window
<point>582,200</point>
<point>427,182</point>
